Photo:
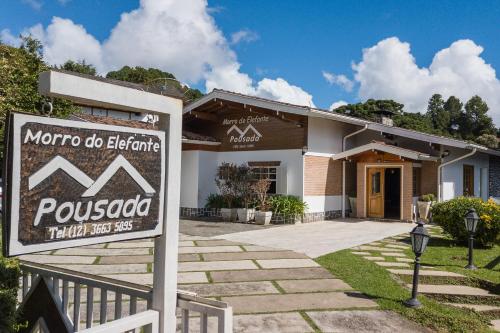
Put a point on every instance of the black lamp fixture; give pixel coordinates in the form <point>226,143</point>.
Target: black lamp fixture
<point>419,239</point>
<point>471,220</point>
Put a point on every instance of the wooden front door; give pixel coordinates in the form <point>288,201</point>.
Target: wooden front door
<point>375,192</point>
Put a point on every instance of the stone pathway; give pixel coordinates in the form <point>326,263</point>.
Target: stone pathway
<point>270,289</point>
<point>390,254</point>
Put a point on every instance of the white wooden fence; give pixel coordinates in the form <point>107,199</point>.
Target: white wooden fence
<point>69,288</point>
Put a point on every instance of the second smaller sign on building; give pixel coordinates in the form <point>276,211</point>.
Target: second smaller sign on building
<point>73,183</point>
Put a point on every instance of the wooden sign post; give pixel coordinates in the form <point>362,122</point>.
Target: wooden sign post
<point>95,92</point>
<point>72,183</point>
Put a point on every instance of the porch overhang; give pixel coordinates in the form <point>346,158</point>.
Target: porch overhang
<point>382,147</point>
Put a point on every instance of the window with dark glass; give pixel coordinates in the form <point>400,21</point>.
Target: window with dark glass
<point>416,181</point>
<point>468,183</point>
<point>264,172</point>
<point>376,183</point>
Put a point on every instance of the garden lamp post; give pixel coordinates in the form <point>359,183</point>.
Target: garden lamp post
<point>419,240</point>
<point>471,219</point>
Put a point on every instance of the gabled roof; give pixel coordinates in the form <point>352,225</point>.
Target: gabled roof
<point>319,113</point>
<point>380,146</point>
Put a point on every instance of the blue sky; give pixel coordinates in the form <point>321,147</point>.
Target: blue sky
<point>298,41</point>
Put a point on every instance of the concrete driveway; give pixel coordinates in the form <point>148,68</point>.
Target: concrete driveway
<point>319,238</point>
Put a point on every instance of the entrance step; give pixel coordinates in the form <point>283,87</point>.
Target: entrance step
<point>426,273</point>
<point>450,289</point>
<point>483,308</point>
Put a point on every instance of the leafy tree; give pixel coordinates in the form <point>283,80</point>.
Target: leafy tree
<point>79,67</point>
<point>438,116</point>
<point>475,120</point>
<point>19,70</point>
<point>414,121</point>
<point>367,109</point>
<point>488,140</point>
<point>155,78</point>
<point>453,107</point>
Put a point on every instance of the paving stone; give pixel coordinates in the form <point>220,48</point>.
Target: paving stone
<point>397,246</point>
<point>405,260</point>
<point>361,253</point>
<point>217,242</point>
<point>377,248</point>
<point>94,246</point>
<point>209,249</point>
<point>102,252</point>
<point>147,278</point>
<point>449,289</point>
<point>107,269</point>
<point>295,302</point>
<point>374,258</point>
<point>193,238</point>
<point>300,286</point>
<point>271,323</point>
<point>391,264</point>
<point>54,259</point>
<point>216,265</point>
<point>271,274</point>
<point>186,243</point>
<point>363,322</point>
<point>254,255</point>
<point>287,263</point>
<point>392,254</point>
<point>142,259</point>
<point>129,245</point>
<point>495,324</point>
<point>260,248</point>
<point>424,273</point>
<point>144,279</point>
<point>233,288</point>
<point>476,307</point>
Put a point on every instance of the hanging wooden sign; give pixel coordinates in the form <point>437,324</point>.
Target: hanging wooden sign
<point>70,183</point>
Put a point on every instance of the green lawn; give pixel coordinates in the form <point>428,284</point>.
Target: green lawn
<point>377,282</point>
<point>445,254</point>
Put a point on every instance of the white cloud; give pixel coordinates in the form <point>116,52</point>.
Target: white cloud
<point>35,4</point>
<point>340,80</point>
<point>63,40</point>
<point>388,71</point>
<point>177,36</point>
<point>8,38</point>
<point>244,35</point>
<point>337,105</point>
<point>283,91</point>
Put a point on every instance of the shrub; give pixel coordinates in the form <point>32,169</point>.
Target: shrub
<point>450,216</point>
<point>427,197</point>
<point>218,201</point>
<point>287,205</point>
<point>260,189</point>
<point>9,279</point>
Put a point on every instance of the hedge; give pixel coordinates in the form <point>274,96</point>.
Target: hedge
<point>9,280</point>
<point>450,216</point>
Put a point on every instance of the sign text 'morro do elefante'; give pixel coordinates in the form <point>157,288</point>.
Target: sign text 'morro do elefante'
<point>71,183</point>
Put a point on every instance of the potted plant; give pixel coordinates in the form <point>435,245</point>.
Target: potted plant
<point>225,181</point>
<point>424,205</point>
<point>353,205</point>
<point>243,183</point>
<point>289,207</point>
<point>260,188</point>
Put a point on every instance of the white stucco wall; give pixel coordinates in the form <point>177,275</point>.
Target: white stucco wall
<point>323,203</point>
<point>195,189</point>
<point>189,178</point>
<point>325,136</point>
<point>453,175</point>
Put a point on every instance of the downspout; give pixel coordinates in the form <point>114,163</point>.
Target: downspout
<point>440,170</point>
<point>344,140</point>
